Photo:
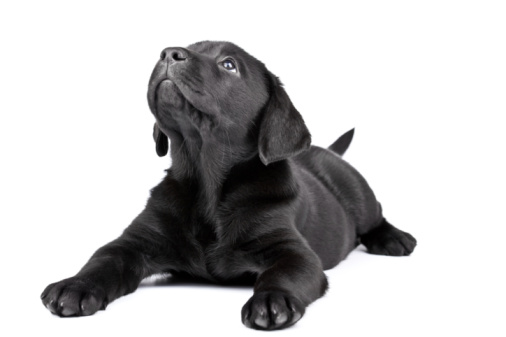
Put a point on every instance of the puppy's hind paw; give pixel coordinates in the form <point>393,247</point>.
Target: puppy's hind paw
<point>388,240</point>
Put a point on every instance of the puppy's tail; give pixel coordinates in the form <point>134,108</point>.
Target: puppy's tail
<point>342,143</point>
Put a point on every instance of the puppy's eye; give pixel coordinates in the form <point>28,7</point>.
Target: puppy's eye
<point>229,65</point>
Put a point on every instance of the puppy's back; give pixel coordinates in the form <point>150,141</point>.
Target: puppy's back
<point>345,183</point>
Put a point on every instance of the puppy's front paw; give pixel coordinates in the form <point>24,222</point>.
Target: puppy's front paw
<point>271,310</point>
<point>74,297</point>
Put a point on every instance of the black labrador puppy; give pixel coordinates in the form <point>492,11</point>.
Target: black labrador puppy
<point>246,197</point>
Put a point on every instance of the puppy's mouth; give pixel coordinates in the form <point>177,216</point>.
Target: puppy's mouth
<point>167,91</point>
<point>171,89</point>
<point>162,90</point>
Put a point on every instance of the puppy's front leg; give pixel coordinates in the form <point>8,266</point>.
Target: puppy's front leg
<point>114,270</point>
<point>292,280</point>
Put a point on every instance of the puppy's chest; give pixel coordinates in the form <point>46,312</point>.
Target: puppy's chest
<point>217,257</point>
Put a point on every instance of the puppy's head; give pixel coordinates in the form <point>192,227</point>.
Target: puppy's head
<point>216,92</point>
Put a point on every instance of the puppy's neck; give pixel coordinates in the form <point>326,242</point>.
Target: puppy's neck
<point>206,162</point>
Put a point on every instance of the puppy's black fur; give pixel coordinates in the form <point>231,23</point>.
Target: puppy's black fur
<point>246,197</point>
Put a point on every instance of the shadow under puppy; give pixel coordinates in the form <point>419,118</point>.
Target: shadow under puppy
<point>246,197</point>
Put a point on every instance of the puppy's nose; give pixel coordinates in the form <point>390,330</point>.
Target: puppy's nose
<point>172,55</point>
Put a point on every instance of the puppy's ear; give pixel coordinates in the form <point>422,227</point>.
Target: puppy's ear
<point>161,140</point>
<point>283,132</point>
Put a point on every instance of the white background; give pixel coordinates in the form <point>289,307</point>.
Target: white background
<point>422,82</point>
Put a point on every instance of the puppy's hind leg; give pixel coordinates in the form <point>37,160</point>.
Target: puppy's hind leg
<point>385,239</point>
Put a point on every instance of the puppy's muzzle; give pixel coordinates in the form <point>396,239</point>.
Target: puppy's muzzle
<point>169,57</point>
